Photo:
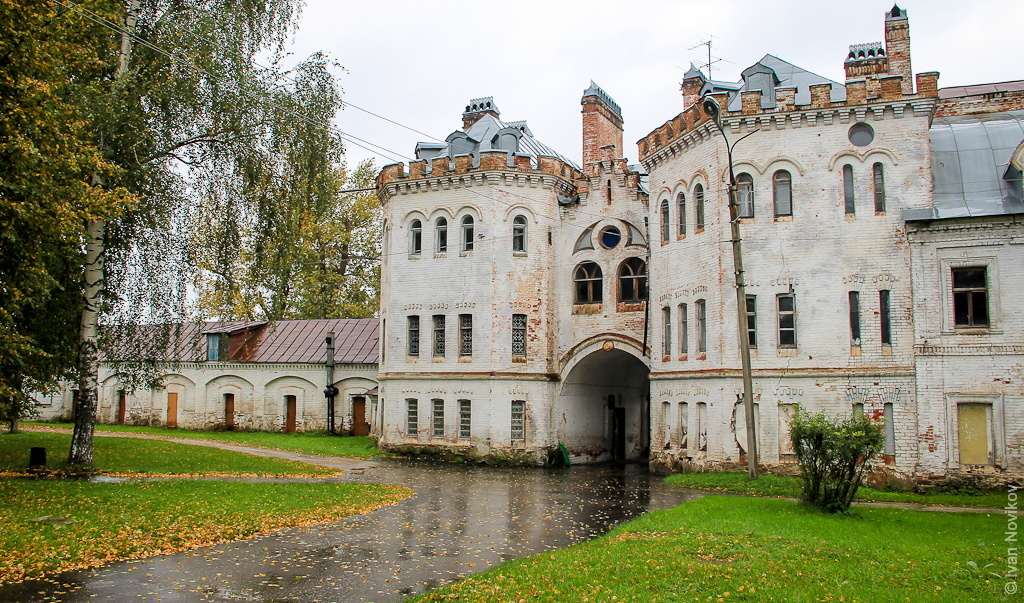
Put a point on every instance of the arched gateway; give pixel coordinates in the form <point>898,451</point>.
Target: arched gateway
<point>604,405</point>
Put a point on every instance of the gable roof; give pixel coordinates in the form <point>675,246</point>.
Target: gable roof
<point>281,341</point>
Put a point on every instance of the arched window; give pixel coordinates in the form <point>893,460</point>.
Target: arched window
<point>681,211</point>
<point>745,195</point>
<point>467,233</point>
<point>519,234</point>
<point>442,235</point>
<point>632,281</point>
<point>848,195</point>
<point>879,182</point>
<point>782,193</point>
<point>666,222</point>
<point>698,196</point>
<point>588,283</point>
<point>416,236</point>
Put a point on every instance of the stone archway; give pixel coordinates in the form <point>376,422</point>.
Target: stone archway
<point>603,407</point>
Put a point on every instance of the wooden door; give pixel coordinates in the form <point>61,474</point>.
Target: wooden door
<point>359,425</point>
<point>172,409</point>
<point>121,404</point>
<point>229,411</point>
<point>289,420</point>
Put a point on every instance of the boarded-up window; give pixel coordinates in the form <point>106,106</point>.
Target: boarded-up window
<point>683,419</point>
<point>975,431</point>
<point>702,426</point>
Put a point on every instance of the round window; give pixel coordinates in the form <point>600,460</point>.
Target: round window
<point>861,134</point>
<point>610,237</point>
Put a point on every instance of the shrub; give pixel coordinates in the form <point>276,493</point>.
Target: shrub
<point>833,454</point>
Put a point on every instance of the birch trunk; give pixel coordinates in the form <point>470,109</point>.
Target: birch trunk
<point>93,282</point>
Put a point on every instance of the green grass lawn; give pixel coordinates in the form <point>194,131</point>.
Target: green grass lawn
<point>777,485</point>
<point>119,456</point>
<point>316,442</point>
<point>112,521</point>
<point>742,549</point>
<point>138,519</point>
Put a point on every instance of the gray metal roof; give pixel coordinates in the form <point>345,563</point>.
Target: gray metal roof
<point>786,75</point>
<point>486,135</point>
<point>961,91</point>
<point>972,173</point>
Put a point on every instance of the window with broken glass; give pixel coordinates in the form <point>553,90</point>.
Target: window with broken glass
<point>970,297</point>
<point>787,320</point>
<point>439,335</point>
<point>745,195</point>
<point>519,335</point>
<point>465,334</point>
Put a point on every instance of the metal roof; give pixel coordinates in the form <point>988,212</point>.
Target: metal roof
<point>282,341</point>
<point>787,75</point>
<point>972,173</point>
<point>961,91</point>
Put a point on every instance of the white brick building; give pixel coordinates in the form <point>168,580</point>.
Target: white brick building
<point>246,375</point>
<point>515,307</point>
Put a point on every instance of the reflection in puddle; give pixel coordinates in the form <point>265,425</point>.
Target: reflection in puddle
<point>462,520</point>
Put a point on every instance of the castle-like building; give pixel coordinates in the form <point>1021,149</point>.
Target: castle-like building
<point>532,307</point>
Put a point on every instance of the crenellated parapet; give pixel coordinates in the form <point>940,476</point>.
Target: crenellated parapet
<point>692,126</point>
<point>486,168</point>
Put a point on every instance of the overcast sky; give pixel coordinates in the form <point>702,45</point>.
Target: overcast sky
<point>419,63</point>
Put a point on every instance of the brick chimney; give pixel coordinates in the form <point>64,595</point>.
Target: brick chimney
<point>477,108</point>
<point>897,46</point>
<point>693,83</point>
<point>602,126</point>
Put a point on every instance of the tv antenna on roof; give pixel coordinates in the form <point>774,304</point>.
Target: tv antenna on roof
<point>711,59</point>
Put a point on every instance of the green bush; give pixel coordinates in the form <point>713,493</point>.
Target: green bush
<point>833,454</point>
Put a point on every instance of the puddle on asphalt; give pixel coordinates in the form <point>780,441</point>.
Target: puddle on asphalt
<point>462,520</point>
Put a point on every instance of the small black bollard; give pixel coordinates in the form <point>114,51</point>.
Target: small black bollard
<point>37,458</point>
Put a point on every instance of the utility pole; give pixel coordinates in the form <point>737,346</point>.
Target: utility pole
<point>330,392</point>
<point>713,111</point>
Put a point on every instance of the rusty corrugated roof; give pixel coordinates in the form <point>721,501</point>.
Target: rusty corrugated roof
<point>281,341</point>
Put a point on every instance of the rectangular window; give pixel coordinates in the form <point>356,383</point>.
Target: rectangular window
<point>666,425</point>
<point>851,205</point>
<point>854,319</point>
<point>438,419</point>
<point>217,347</point>
<point>681,208</point>
<point>884,318</point>
<point>970,297</point>
<point>858,409</point>
<point>879,184</point>
<point>465,334</point>
<point>752,320</point>
<point>465,419</point>
<point>787,320</point>
<point>684,331</point>
<point>890,429</point>
<point>518,420</point>
<point>702,426</point>
<point>666,317</point>
<point>682,420</point>
<point>702,326</point>
<point>414,336</point>
<point>439,335</point>
<point>519,335</point>
<point>698,194</point>
<point>412,418</point>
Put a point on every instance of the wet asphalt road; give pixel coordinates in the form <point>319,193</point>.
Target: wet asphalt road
<point>462,520</point>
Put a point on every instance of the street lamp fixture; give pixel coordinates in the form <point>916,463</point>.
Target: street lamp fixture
<point>714,111</point>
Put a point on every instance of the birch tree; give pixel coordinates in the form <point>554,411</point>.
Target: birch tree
<point>183,107</point>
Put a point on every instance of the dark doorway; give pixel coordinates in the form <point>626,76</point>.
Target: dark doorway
<point>229,412</point>
<point>359,425</point>
<point>289,410</point>
<point>122,403</point>
<point>604,403</point>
